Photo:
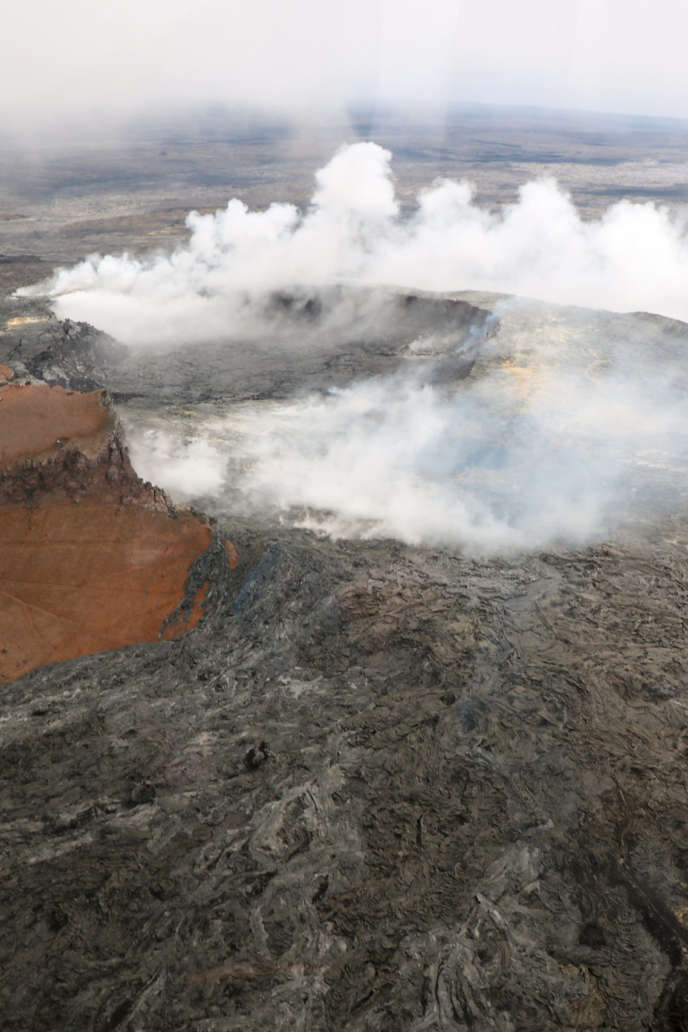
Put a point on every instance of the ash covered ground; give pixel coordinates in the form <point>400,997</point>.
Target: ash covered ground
<point>408,773</point>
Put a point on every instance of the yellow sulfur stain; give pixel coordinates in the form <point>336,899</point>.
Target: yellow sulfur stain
<point>526,380</point>
<point>24,320</point>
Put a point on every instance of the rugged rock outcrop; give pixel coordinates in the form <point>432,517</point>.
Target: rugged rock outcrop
<point>65,353</point>
<point>92,557</point>
<point>64,444</point>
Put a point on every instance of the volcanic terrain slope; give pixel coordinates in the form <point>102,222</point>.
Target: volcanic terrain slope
<point>378,787</point>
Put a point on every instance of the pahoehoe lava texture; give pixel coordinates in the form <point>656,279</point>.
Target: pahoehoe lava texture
<point>377,788</point>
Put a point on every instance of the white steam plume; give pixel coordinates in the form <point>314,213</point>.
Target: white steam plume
<point>558,436</point>
<point>633,258</point>
<point>559,444</point>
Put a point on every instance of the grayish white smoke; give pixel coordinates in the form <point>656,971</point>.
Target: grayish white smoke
<point>634,258</point>
<point>559,436</point>
<point>556,437</point>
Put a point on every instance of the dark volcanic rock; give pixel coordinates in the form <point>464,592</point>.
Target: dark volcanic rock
<point>298,348</point>
<point>78,357</point>
<point>376,788</point>
<point>380,788</point>
<point>68,354</point>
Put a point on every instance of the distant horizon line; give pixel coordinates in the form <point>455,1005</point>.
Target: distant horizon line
<point>252,115</point>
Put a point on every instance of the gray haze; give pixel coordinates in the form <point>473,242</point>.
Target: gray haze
<point>91,61</point>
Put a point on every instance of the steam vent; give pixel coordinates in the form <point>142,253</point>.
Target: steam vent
<point>92,557</point>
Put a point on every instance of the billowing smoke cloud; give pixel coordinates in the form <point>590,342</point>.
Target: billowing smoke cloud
<point>190,466</point>
<point>559,434</point>
<point>634,258</point>
<point>556,437</point>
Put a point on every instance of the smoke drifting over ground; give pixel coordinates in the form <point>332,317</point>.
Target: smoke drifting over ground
<point>634,258</point>
<point>553,438</point>
<point>566,426</point>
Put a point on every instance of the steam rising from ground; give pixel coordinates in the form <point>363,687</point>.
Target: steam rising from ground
<point>560,443</point>
<point>634,258</point>
<point>549,440</point>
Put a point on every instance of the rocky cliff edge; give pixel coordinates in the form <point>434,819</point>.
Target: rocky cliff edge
<point>92,557</point>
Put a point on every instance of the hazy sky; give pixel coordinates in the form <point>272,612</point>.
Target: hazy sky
<point>65,57</point>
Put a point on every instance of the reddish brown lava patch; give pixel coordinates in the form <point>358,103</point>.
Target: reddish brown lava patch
<point>37,420</point>
<point>76,579</point>
<point>183,622</point>
<point>98,566</point>
<point>5,374</point>
<point>232,554</point>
